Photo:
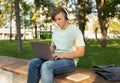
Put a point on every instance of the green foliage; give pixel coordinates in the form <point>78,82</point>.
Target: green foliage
<point>85,6</point>
<point>5,9</point>
<point>46,36</point>
<point>109,8</point>
<point>25,8</point>
<point>46,6</point>
<point>26,12</point>
<point>88,7</point>
<point>1,20</point>
<point>45,3</point>
<point>115,26</point>
<point>38,3</point>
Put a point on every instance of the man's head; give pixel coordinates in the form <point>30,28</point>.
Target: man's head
<point>60,10</point>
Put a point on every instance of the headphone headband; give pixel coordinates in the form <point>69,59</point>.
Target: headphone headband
<point>66,13</point>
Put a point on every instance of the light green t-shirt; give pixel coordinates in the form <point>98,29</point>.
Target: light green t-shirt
<point>66,40</point>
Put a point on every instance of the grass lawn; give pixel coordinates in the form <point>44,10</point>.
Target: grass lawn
<point>8,48</point>
<point>94,54</point>
<point>97,55</point>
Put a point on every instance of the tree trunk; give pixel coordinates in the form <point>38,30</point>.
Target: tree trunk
<point>35,31</point>
<point>24,28</point>
<point>103,32</point>
<point>19,41</point>
<point>11,20</point>
<point>81,15</point>
<point>96,38</point>
<point>102,22</point>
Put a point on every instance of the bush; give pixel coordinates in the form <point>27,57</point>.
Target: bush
<point>46,36</point>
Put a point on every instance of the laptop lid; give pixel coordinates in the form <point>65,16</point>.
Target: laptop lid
<point>42,50</point>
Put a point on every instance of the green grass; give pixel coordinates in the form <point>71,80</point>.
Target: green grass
<point>97,55</point>
<point>8,48</point>
<point>94,54</point>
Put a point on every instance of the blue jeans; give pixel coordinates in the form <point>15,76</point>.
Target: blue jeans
<point>45,70</point>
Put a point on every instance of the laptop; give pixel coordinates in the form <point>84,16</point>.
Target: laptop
<point>42,50</point>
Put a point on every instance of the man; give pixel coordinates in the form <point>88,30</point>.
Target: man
<point>67,45</point>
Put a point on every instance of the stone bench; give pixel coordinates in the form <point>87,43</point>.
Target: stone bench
<point>16,70</point>
<point>13,70</point>
<point>14,64</point>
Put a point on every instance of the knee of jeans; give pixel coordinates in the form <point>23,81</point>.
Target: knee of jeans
<point>46,66</point>
<point>32,63</point>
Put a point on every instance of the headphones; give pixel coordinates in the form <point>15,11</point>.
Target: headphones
<point>66,13</point>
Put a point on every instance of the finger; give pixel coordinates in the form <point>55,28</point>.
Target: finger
<point>57,57</point>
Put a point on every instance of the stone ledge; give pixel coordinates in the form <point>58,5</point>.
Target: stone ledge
<point>10,77</point>
<point>12,64</point>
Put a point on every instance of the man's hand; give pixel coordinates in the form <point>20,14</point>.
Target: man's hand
<point>57,56</point>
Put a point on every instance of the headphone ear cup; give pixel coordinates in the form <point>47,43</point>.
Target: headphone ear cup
<point>66,17</point>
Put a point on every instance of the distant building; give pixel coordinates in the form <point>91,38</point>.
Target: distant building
<point>25,33</point>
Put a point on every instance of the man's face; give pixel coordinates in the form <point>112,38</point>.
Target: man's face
<point>60,20</point>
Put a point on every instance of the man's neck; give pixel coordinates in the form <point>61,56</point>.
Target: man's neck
<point>65,26</point>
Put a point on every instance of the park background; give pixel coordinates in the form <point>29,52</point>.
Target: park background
<point>22,22</point>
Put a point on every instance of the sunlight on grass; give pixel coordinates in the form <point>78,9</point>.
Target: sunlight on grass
<point>96,55</point>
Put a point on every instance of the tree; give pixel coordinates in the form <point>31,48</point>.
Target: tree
<point>35,22</point>
<point>106,9</point>
<point>81,15</point>
<point>2,19</point>
<point>11,16</point>
<point>4,12</point>
<point>96,27</point>
<point>19,41</point>
<point>84,7</point>
<point>25,9</point>
<point>42,4</point>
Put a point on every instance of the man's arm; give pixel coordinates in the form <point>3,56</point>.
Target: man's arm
<point>52,48</point>
<point>72,55</point>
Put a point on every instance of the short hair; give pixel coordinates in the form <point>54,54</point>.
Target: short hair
<point>57,10</point>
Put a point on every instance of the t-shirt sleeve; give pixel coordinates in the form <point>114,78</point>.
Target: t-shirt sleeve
<point>79,40</point>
